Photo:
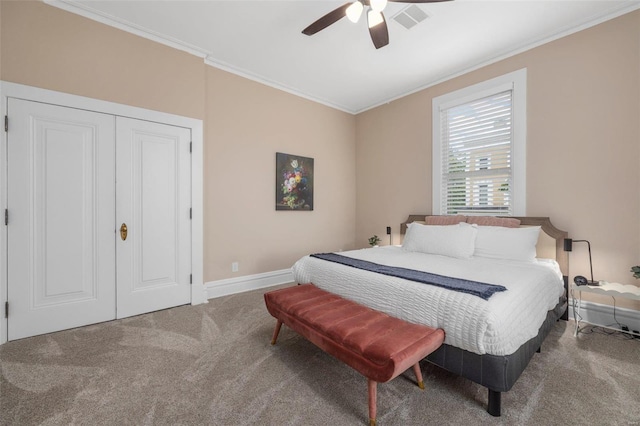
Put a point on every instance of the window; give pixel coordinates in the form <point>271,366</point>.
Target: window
<point>479,147</point>
<point>484,186</point>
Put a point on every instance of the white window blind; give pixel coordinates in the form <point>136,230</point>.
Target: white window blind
<point>477,151</point>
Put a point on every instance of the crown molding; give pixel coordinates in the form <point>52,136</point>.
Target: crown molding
<point>124,25</point>
<point>257,78</point>
<point>612,13</point>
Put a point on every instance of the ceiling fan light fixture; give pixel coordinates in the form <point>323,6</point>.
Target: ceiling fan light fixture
<point>378,5</point>
<point>354,11</point>
<point>374,18</point>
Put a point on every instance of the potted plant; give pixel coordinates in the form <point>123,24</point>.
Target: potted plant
<point>373,241</point>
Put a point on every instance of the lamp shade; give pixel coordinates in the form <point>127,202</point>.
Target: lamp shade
<point>354,11</point>
<point>374,18</point>
<point>568,244</point>
<point>378,5</point>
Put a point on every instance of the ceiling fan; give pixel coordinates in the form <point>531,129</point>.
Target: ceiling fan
<point>353,11</point>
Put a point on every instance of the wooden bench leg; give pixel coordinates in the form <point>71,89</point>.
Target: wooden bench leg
<point>373,393</point>
<point>373,397</point>
<point>416,369</point>
<point>276,332</point>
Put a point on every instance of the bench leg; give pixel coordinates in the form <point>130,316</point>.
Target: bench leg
<point>373,393</point>
<point>373,396</point>
<point>416,369</point>
<point>276,332</point>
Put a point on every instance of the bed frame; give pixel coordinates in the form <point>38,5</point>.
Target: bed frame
<point>499,373</point>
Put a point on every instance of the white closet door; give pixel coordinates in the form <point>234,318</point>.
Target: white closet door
<point>61,190</point>
<point>153,188</point>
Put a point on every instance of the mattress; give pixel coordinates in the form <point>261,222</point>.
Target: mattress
<point>498,326</point>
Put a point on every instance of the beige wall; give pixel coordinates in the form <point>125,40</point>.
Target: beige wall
<point>583,146</point>
<point>245,123</point>
<point>46,47</point>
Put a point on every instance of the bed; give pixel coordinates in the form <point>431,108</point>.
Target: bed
<point>489,342</point>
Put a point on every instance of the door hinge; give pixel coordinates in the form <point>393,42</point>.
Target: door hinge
<point>6,123</point>
<point>190,278</point>
<point>190,213</point>
<point>6,309</point>
<point>190,146</point>
<point>6,217</point>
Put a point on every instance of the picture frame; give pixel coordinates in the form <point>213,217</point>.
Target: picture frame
<point>294,182</point>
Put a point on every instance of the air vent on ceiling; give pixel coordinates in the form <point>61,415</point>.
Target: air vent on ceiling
<point>410,16</point>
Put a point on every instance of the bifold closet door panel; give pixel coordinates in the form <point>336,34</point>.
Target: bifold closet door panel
<point>153,201</point>
<point>61,192</point>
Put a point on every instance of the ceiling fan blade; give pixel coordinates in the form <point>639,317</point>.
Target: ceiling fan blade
<point>380,33</point>
<point>328,19</point>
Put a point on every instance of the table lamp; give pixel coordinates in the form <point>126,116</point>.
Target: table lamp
<point>568,246</point>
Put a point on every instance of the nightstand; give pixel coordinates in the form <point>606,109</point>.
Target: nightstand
<point>614,290</point>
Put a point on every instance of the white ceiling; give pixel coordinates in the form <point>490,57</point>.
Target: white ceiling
<point>339,66</point>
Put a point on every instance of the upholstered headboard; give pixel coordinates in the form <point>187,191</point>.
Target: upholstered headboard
<point>550,243</point>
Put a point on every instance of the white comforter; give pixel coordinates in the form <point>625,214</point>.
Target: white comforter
<point>496,326</point>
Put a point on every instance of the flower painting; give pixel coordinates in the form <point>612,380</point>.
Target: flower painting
<point>294,182</point>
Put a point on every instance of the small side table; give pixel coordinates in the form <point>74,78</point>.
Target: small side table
<point>608,289</point>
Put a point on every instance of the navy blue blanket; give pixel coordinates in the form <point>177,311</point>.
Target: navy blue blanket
<point>475,288</point>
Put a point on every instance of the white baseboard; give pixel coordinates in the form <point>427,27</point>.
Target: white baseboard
<point>599,314</point>
<point>247,283</point>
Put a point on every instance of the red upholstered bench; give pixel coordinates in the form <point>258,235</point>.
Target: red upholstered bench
<point>378,346</point>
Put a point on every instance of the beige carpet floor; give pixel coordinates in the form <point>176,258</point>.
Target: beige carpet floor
<point>212,364</point>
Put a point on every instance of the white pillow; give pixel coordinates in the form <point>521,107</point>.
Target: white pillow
<point>446,240</point>
<point>497,242</point>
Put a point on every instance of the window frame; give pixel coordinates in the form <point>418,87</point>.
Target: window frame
<point>515,81</point>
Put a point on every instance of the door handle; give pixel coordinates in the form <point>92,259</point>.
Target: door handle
<point>123,231</point>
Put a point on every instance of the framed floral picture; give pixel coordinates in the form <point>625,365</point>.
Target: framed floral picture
<point>294,182</point>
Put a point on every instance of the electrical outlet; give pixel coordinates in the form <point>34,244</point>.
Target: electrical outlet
<point>234,267</point>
